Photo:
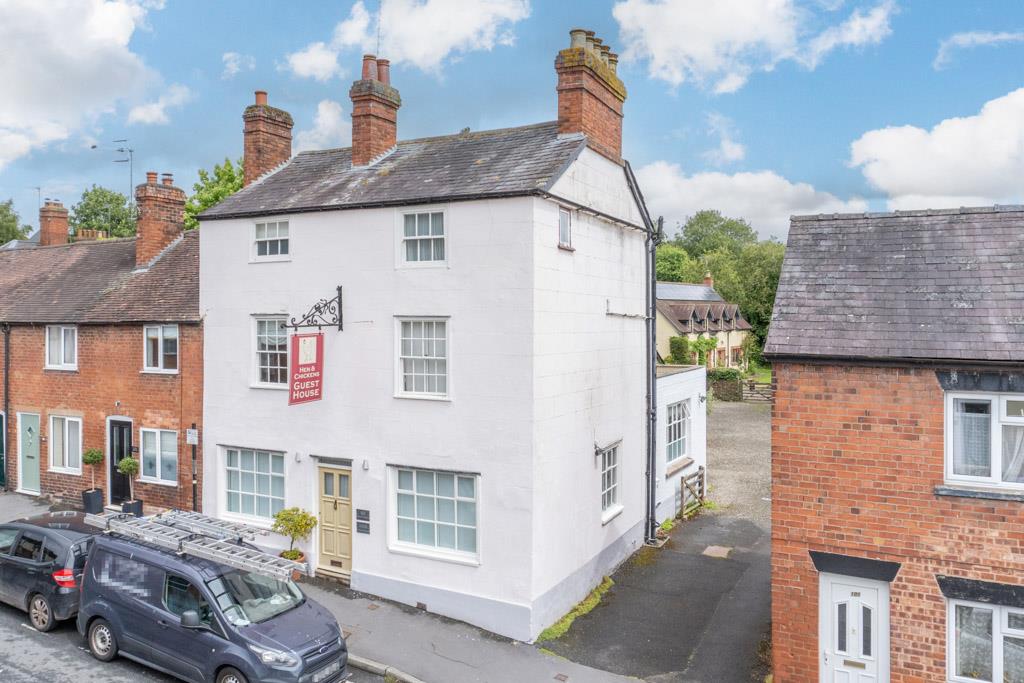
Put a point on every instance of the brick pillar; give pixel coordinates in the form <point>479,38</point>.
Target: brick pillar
<point>268,138</point>
<point>53,223</point>
<point>161,217</point>
<point>590,94</point>
<point>374,111</point>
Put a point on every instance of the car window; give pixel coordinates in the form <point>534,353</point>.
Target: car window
<point>51,550</point>
<point>180,596</point>
<point>30,546</point>
<point>7,537</point>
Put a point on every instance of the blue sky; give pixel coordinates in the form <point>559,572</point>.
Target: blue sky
<point>759,108</point>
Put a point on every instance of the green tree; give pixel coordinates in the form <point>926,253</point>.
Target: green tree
<point>103,209</point>
<point>758,268</point>
<point>211,189</point>
<point>11,227</point>
<point>709,231</point>
<point>673,264</point>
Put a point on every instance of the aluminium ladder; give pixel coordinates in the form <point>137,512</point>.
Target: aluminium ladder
<point>200,536</point>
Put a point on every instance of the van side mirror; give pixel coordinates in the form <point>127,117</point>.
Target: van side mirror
<point>190,619</point>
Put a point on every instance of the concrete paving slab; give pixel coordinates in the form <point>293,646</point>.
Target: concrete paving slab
<point>718,551</point>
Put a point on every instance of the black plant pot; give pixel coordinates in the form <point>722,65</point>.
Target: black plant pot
<point>132,507</point>
<point>92,501</point>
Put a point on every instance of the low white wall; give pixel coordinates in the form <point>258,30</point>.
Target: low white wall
<point>691,385</point>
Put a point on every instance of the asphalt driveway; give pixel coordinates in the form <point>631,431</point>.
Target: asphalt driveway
<point>679,614</point>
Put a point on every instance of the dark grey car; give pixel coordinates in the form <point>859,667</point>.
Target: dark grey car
<point>204,622</point>
<point>41,564</point>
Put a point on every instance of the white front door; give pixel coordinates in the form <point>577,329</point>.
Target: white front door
<point>854,630</point>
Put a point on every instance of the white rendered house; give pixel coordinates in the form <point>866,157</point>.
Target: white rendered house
<point>480,445</point>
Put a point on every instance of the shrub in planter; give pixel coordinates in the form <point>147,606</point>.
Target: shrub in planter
<point>129,467</point>
<point>92,499</point>
<point>297,525</point>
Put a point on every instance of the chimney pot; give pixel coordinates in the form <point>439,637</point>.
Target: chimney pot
<point>151,177</point>
<point>591,40</point>
<point>167,179</point>
<point>384,71</point>
<point>161,218</point>
<point>369,68</point>
<point>267,135</point>
<point>613,62</point>
<point>708,280</point>
<point>590,97</point>
<point>578,37</point>
<point>604,53</point>
<point>261,97</point>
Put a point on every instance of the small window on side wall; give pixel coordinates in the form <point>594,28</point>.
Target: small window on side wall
<point>161,350</point>
<point>271,242</point>
<point>564,228</point>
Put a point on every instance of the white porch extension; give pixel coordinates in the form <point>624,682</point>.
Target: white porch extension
<point>682,432</point>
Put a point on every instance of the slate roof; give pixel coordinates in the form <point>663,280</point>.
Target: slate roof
<point>30,241</point>
<point>683,291</point>
<point>94,282</point>
<point>914,285</point>
<point>494,163</point>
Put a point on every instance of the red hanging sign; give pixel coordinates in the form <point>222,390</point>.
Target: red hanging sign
<point>306,368</point>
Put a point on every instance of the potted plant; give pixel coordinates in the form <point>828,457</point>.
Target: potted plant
<point>297,525</point>
<point>129,467</point>
<point>92,499</point>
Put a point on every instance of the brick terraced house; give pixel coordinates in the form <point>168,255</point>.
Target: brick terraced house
<point>897,346</point>
<point>101,347</point>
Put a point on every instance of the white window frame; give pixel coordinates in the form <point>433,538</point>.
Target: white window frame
<point>159,456</point>
<point>432,552</point>
<point>68,419</point>
<point>400,391</point>
<point>401,238</point>
<point>1000,630</point>
<point>254,355</point>
<point>683,428</point>
<point>565,243</point>
<point>610,504</point>
<point>255,256</point>
<point>63,365</point>
<point>159,367</point>
<point>254,518</point>
<point>998,402</point>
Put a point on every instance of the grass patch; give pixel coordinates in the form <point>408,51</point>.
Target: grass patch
<point>561,627</point>
<point>645,556</point>
<point>761,374</point>
<point>709,504</point>
<point>668,525</point>
<point>390,678</point>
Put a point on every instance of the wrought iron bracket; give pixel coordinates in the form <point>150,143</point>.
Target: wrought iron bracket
<point>324,313</point>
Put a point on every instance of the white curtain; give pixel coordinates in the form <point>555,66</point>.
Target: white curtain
<point>1013,453</point>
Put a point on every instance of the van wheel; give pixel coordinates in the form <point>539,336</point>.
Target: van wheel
<point>41,614</point>
<point>102,643</point>
<point>231,675</point>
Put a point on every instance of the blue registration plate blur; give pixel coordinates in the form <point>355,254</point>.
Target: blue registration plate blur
<point>326,672</point>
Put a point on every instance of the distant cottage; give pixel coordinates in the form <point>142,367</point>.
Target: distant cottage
<point>695,310</point>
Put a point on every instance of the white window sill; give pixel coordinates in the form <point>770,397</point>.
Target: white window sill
<point>414,265</point>
<point>611,513</point>
<point>270,259</point>
<point>464,559</point>
<point>61,368</point>
<point>274,387</point>
<point>63,470</point>
<point>158,482</point>
<point>677,465</point>
<point>258,522</point>
<point>566,247</point>
<point>156,371</point>
<point>425,397</point>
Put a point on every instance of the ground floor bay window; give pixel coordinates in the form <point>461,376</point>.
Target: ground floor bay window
<point>986,642</point>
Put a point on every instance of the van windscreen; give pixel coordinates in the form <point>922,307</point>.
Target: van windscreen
<point>246,598</point>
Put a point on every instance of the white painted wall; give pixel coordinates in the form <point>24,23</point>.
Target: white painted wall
<point>689,385</point>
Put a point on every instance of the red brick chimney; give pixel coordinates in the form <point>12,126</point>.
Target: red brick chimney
<point>53,223</point>
<point>590,94</point>
<point>374,111</point>
<point>708,280</point>
<point>268,138</point>
<point>161,217</point>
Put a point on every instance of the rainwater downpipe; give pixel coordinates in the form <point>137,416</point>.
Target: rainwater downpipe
<point>6,327</point>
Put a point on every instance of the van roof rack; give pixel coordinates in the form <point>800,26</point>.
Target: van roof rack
<point>209,538</point>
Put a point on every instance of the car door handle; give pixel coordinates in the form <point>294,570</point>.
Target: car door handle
<point>162,623</point>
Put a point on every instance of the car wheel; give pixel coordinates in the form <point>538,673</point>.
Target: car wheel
<point>102,643</point>
<point>231,675</point>
<point>40,613</point>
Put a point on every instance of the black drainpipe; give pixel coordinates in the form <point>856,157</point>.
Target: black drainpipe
<point>7,400</point>
<point>650,267</point>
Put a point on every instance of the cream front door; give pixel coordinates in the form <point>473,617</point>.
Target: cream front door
<point>335,521</point>
<point>854,630</point>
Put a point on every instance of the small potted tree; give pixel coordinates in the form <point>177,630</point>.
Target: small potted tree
<point>129,467</point>
<point>92,499</point>
<point>297,525</point>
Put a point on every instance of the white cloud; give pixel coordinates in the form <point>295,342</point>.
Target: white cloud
<point>728,150</point>
<point>235,63</point>
<point>718,45</point>
<point>331,128</point>
<point>973,160</point>
<point>316,60</point>
<point>156,112</point>
<point>65,63</point>
<point>421,33</point>
<point>969,39</point>
<point>764,198</point>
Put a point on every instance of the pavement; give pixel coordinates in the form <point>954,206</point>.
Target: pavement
<point>697,609</point>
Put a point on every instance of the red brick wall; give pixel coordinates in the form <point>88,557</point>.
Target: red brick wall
<point>267,137</point>
<point>590,98</point>
<point>856,454</point>
<point>109,364</point>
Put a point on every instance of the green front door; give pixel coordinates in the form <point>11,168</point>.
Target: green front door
<point>28,450</point>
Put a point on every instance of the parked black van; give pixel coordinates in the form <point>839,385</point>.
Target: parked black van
<point>202,621</point>
<point>41,563</point>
